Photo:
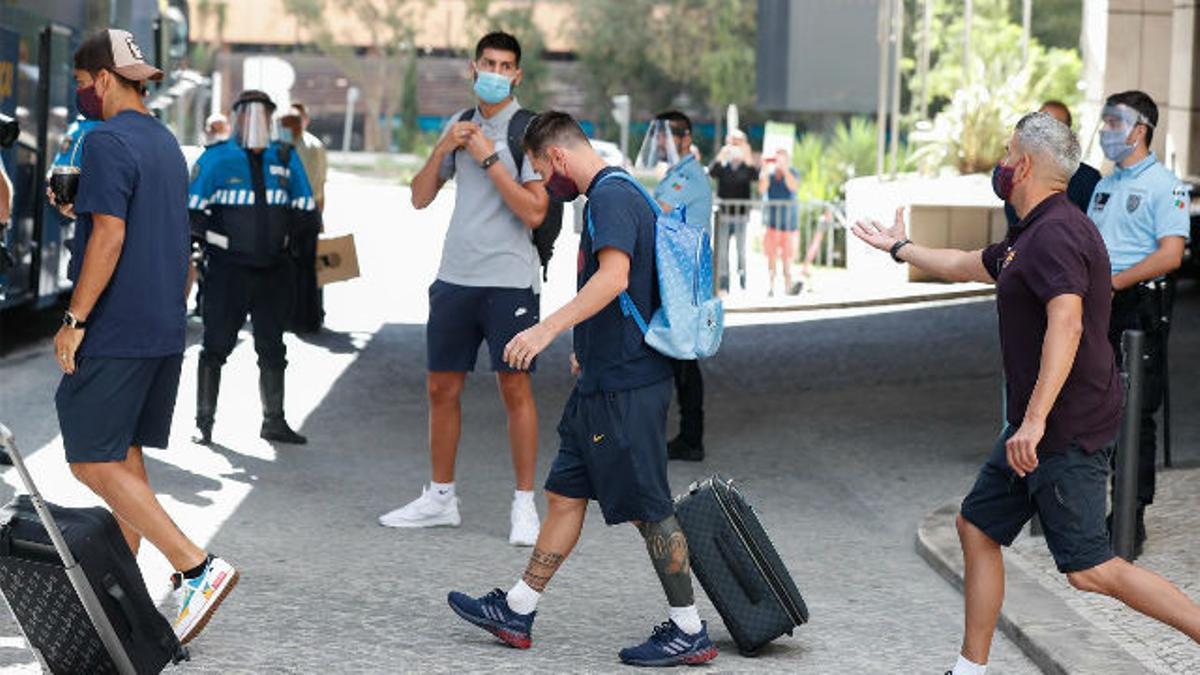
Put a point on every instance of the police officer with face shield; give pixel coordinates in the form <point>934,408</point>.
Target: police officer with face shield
<point>1141,210</point>
<point>247,195</point>
<point>684,186</point>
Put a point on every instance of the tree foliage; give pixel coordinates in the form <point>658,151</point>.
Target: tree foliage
<point>379,73</point>
<point>698,54</point>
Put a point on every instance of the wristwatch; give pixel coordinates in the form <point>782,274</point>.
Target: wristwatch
<point>70,321</point>
<point>896,249</point>
<point>490,160</point>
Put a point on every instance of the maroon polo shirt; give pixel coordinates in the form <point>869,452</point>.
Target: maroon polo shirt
<point>1053,251</point>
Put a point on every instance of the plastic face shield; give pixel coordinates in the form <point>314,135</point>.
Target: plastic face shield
<point>659,148</point>
<point>253,125</point>
<point>1122,118</point>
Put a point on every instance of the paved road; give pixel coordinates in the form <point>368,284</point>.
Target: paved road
<point>843,431</point>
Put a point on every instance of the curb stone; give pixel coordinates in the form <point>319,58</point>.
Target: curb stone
<point>1052,635</point>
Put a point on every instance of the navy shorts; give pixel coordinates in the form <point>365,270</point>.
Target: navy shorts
<point>614,450</point>
<point>1068,490</point>
<point>461,317</point>
<point>110,404</point>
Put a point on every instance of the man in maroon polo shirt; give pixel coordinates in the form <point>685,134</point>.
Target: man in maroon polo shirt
<point>1053,296</point>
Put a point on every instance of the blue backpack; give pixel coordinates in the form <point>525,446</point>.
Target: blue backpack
<point>690,321</point>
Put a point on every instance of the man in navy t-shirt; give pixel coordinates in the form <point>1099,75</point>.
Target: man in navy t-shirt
<point>613,445</point>
<point>1064,399</point>
<point>121,344</point>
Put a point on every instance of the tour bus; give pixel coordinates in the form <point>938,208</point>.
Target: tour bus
<point>37,93</point>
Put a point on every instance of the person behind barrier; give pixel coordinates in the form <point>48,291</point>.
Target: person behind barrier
<point>309,312</point>
<point>1141,210</point>
<point>735,173</point>
<point>685,186</point>
<point>487,285</point>
<point>247,197</point>
<point>216,129</point>
<point>613,428</point>
<point>121,344</point>
<point>778,182</point>
<point>1082,184</point>
<point>1064,396</point>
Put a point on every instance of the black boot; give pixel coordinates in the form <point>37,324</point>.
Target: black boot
<point>208,386</point>
<point>274,426</point>
<point>680,448</point>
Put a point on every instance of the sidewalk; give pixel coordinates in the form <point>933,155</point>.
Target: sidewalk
<point>837,288</point>
<point>1065,631</point>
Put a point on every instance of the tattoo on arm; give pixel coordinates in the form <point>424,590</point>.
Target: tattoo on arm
<point>542,566</point>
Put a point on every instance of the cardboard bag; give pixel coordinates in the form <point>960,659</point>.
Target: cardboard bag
<point>337,260</point>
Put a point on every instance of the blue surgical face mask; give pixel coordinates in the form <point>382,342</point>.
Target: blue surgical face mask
<point>492,88</point>
<point>1113,142</point>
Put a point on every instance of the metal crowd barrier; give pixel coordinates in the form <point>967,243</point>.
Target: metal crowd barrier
<point>739,227</point>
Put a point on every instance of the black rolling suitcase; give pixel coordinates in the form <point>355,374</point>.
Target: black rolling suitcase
<point>75,588</point>
<point>737,565</point>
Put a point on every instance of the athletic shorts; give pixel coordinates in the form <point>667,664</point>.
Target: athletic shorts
<point>110,404</point>
<point>1068,490</point>
<point>613,449</point>
<point>461,317</point>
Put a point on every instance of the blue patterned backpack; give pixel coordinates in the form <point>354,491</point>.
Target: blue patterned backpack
<point>691,320</point>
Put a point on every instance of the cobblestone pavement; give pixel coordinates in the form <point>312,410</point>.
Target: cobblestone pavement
<point>1172,523</point>
<point>843,430</point>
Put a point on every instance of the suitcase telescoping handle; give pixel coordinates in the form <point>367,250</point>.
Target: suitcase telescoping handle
<point>79,580</point>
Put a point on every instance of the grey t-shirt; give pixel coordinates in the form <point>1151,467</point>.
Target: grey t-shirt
<point>487,244</point>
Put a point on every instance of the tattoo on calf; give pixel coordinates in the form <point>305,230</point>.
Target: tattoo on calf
<point>668,550</point>
<point>542,566</point>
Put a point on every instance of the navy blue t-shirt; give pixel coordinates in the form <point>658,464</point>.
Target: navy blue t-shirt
<point>133,169</point>
<point>611,349</point>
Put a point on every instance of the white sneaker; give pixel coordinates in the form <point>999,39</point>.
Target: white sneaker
<point>201,596</point>
<point>525,524</point>
<point>428,510</point>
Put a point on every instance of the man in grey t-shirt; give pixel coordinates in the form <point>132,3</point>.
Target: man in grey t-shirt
<point>486,287</point>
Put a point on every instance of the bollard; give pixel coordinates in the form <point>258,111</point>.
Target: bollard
<point>1125,491</point>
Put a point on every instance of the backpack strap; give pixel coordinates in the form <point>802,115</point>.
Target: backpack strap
<point>628,307</point>
<point>516,137</point>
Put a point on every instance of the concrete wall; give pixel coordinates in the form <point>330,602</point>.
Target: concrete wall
<point>1152,45</point>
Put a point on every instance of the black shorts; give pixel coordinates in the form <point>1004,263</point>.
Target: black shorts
<point>110,404</point>
<point>614,450</point>
<point>461,317</point>
<point>1068,490</point>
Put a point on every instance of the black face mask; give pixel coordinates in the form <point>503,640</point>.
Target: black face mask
<point>561,189</point>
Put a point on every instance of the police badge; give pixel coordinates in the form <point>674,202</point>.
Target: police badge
<point>1132,203</point>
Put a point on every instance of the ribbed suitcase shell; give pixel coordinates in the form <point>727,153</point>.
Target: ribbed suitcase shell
<point>737,565</point>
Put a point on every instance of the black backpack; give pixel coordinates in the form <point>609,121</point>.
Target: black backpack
<point>546,234</point>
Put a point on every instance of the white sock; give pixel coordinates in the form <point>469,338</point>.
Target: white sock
<point>965,667</point>
<point>523,497</point>
<point>442,491</point>
<point>687,618</point>
<point>522,599</point>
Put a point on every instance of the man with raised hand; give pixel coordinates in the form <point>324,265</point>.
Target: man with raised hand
<point>1064,397</point>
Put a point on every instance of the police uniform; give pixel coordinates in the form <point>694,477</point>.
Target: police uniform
<point>1134,208</point>
<point>686,186</point>
<point>68,151</point>
<point>244,206</point>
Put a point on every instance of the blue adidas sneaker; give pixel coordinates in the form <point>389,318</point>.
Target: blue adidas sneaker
<point>492,613</point>
<point>670,646</point>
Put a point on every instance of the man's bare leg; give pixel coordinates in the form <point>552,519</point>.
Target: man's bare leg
<point>983,590</point>
<point>1143,591</point>
<point>560,532</point>
<point>516,390</point>
<point>445,422</point>
<point>129,495</point>
<point>137,465</point>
